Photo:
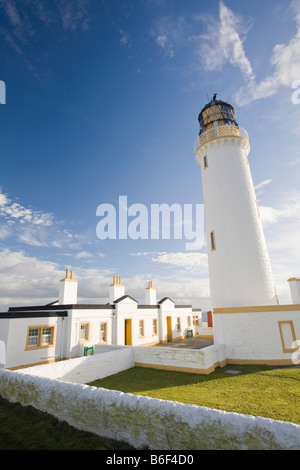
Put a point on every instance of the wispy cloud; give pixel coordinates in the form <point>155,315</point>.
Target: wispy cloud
<point>223,42</point>
<point>74,15</point>
<point>170,33</point>
<point>197,261</point>
<point>22,29</point>
<point>83,254</point>
<point>288,210</point>
<point>285,60</point>
<point>259,188</point>
<point>124,38</point>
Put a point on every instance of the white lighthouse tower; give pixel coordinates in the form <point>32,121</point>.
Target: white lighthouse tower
<point>239,267</point>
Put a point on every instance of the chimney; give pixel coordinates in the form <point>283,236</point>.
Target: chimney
<point>150,294</point>
<point>116,290</point>
<point>68,290</point>
<point>294,283</point>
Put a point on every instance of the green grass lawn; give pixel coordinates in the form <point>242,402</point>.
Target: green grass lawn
<point>257,390</point>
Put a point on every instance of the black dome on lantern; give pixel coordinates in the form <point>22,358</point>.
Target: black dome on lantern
<point>216,111</point>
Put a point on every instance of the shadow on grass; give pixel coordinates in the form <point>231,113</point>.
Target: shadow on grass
<point>139,379</point>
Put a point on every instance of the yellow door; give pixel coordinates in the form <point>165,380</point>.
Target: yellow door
<point>128,333</point>
<point>169,329</point>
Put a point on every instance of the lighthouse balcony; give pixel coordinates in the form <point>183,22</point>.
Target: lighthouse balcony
<point>217,132</point>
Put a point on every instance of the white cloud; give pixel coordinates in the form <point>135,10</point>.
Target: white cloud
<point>34,227</point>
<point>285,60</point>
<point>185,260</point>
<point>161,41</point>
<point>261,185</point>
<point>14,210</point>
<point>196,261</point>
<point>224,43</point>
<point>170,33</point>
<point>124,38</point>
<point>282,227</point>
<point>259,188</point>
<point>26,280</point>
<point>288,210</point>
<point>83,254</point>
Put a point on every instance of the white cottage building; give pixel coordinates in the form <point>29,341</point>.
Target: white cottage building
<point>65,329</point>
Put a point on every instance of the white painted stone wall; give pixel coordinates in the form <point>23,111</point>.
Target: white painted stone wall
<point>200,361</point>
<point>112,359</point>
<point>147,422</point>
<point>108,360</point>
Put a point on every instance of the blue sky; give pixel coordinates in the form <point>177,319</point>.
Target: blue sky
<point>102,101</point>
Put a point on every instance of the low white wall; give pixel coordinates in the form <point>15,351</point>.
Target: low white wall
<point>109,360</point>
<point>147,422</point>
<point>86,369</point>
<point>201,361</point>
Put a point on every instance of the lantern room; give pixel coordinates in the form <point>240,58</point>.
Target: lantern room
<point>216,113</point>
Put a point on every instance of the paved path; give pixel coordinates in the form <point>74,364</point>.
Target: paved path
<point>188,343</point>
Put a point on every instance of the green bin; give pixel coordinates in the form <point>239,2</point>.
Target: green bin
<point>189,334</point>
<point>89,351</point>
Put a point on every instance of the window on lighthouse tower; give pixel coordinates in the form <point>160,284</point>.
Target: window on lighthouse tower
<point>213,241</point>
<point>205,162</point>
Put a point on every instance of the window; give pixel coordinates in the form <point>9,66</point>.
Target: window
<point>205,162</point>
<point>189,321</point>
<point>178,324</point>
<point>141,328</point>
<point>195,320</point>
<point>288,336</point>
<point>40,337</point>
<point>103,332</point>
<point>33,337</point>
<point>47,333</point>
<point>84,332</point>
<point>212,241</point>
<point>154,326</point>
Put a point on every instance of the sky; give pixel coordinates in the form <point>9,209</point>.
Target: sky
<point>101,101</point>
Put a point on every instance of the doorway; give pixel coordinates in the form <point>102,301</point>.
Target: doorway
<point>128,332</point>
<point>169,329</point>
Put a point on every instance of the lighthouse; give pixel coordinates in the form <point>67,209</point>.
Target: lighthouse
<point>239,267</point>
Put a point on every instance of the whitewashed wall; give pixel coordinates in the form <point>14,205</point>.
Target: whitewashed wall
<point>109,360</point>
<point>17,355</point>
<point>255,335</point>
<point>147,422</point>
<point>239,268</point>
<point>112,359</point>
<point>199,361</point>
<point>93,317</point>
